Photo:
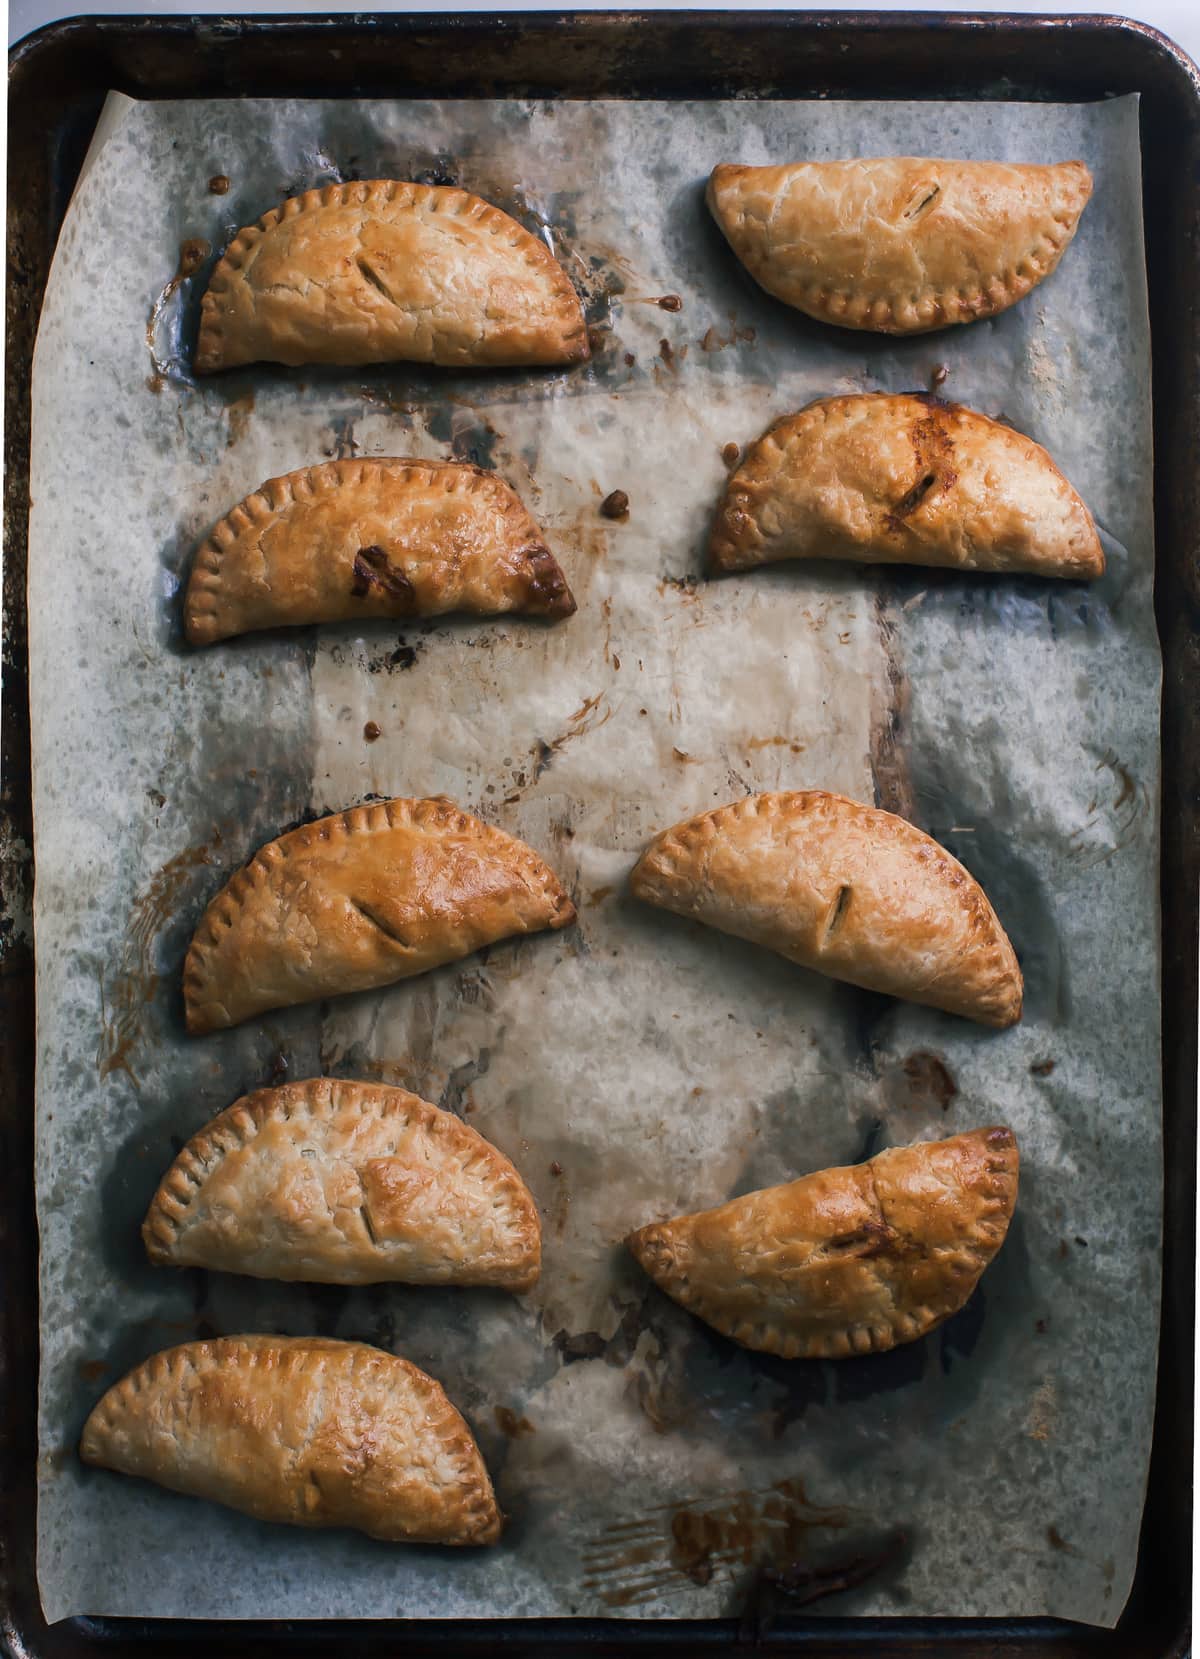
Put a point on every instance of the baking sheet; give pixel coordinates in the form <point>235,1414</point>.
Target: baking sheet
<point>648,1468</point>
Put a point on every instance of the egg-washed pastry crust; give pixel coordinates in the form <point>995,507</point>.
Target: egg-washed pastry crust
<point>849,890</point>
<point>884,478</point>
<point>384,271</point>
<point>846,1261</point>
<point>345,1183</point>
<point>899,244</point>
<point>362,899</point>
<point>348,540</point>
<point>304,1430</point>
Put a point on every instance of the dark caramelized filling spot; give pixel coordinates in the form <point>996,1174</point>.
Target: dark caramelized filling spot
<point>373,568</point>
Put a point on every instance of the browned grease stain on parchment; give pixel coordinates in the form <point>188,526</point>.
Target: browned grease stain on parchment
<point>239,412</point>
<point>510,1424</point>
<point>665,302</point>
<point>133,986</point>
<point>921,1079</point>
<point>1113,814</point>
<point>687,587</point>
<point>791,743</point>
<point>891,757</point>
<point>632,1562</point>
<point>714,340</point>
<point>592,713</point>
<point>559,1208</point>
<point>192,255</point>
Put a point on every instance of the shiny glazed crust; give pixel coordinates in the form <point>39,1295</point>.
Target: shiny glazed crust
<point>381,271</point>
<point>362,899</point>
<point>899,244</point>
<point>354,539</point>
<point>851,891</point>
<point>847,1261</point>
<point>304,1430</point>
<point>879,478</point>
<point>345,1183</point>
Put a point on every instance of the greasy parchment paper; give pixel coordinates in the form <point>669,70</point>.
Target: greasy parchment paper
<point>647,1467</point>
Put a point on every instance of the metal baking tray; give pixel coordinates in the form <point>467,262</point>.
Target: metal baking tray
<point>58,80</point>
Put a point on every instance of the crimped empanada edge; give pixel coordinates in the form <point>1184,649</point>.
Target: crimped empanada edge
<point>942,307</point>
<point>481,1520</point>
<point>202,603</point>
<point>681,843</point>
<point>223,910</point>
<point>321,1098</point>
<point>728,552</point>
<point>653,1249</point>
<point>210,342</point>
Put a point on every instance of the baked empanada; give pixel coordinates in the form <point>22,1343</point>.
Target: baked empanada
<point>899,244</point>
<point>851,891</point>
<point>349,1184</point>
<point>304,1430</point>
<point>846,1261</point>
<point>883,479</point>
<point>353,539</point>
<point>380,271</point>
<point>362,899</point>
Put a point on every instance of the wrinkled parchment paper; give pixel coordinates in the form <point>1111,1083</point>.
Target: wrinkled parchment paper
<point>647,1466</point>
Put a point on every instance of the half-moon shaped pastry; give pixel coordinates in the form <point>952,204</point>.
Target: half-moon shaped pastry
<point>348,1184</point>
<point>899,244</point>
<point>846,1261</point>
<point>851,891</point>
<point>304,1430</point>
<point>379,271</point>
<point>353,539</point>
<point>883,479</point>
<point>362,899</point>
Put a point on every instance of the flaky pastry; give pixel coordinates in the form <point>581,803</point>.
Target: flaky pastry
<point>879,478</point>
<point>303,1430</point>
<point>362,899</point>
<point>382,271</point>
<point>345,1183</point>
<point>847,1261</point>
<point>899,244</point>
<point>849,890</point>
<point>367,538</point>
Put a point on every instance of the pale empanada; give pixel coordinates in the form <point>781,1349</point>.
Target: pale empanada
<point>899,244</point>
<point>846,1261</point>
<point>349,1184</point>
<point>877,478</point>
<point>362,899</point>
<point>380,271</point>
<point>354,539</point>
<point>851,891</point>
<point>300,1429</point>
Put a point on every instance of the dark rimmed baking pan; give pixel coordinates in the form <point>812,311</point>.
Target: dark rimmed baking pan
<point>58,81</point>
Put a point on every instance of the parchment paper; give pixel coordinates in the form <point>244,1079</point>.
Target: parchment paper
<point>647,1466</point>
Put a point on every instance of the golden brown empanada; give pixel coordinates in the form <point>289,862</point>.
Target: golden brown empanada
<point>304,1430</point>
<point>361,899</point>
<point>883,479</point>
<point>846,1261</point>
<point>379,271</point>
<point>899,244</point>
<point>349,1184</point>
<point>851,891</point>
<point>354,539</point>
